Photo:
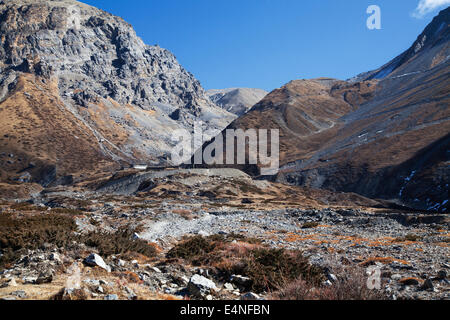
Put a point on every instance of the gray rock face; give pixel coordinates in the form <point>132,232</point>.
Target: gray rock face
<point>97,61</point>
<point>236,100</point>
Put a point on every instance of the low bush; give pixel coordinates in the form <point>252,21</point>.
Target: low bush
<point>409,237</point>
<point>32,232</point>
<point>18,234</point>
<point>25,206</point>
<point>271,268</point>
<point>310,225</point>
<point>267,268</point>
<point>193,249</point>
<point>351,285</point>
<point>118,243</point>
<point>66,211</point>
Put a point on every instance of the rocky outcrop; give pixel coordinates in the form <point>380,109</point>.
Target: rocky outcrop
<point>120,92</point>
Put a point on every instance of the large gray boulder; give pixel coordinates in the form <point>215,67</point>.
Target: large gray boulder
<point>94,260</point>
<point>200,287</point>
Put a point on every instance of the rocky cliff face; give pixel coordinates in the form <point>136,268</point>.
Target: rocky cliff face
<point>236,100</point>
<point>124,96</point>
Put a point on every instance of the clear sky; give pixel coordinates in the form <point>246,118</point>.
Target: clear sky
<point>267,43</point>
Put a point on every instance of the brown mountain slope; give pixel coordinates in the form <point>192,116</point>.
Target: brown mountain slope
<point>39,133</point>
<point>382,134</point>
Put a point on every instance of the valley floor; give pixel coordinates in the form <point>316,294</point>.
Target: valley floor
<point>197,244</point>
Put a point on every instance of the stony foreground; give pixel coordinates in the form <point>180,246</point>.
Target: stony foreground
<point>411,249</point>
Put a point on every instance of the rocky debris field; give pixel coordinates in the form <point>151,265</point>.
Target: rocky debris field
<point>75,244</point>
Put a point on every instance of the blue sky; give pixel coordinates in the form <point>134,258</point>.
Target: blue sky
<point>266,43</point>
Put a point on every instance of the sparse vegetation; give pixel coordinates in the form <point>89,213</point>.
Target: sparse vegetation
<point>267,268</point>
<point>409,237</point>
<point>72,212</point>
<point>270,268</point>
<point>25,206</point>
<point>351,285</point>
<point>310,225</point>
<point>18,234</point>
<point>120,242</point>
<point>186,214</point>
<point>32,232</point>
<point>193,249</point>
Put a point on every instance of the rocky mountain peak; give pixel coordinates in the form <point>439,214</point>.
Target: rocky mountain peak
<point>127,95</point>
<point>428,51</point>
<point>77,42</point>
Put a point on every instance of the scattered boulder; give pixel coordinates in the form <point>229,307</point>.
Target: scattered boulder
<point>12,282</point>
<point>427,285</point>
<point>20,294</point>
<point>228,286</point>
<point>442,275</point>
<point>121,263</point>
<point>94,260</point>
<point>136,236</point>
<point>200,286</point>
<point>44,278</point>
<point>155,269</point>
<point>111,297</point>
<point>29,280</point>
<point>55,257</point>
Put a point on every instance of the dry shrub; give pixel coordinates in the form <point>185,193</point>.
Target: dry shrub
<point>409,237</point>
<point>120,242</point>
<point>351,285</point>
<point>310,225</point>
<point>70,212</point>
<point>130,276</point>
<point>267,268</point>
<point>271,268</point>
<point>18,234</point>
<point>25,206</point>
<point>193,249</point>
<point>32,232</point>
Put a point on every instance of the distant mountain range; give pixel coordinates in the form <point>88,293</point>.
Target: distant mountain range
<point>236,100</point>
<point>383,134</point>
